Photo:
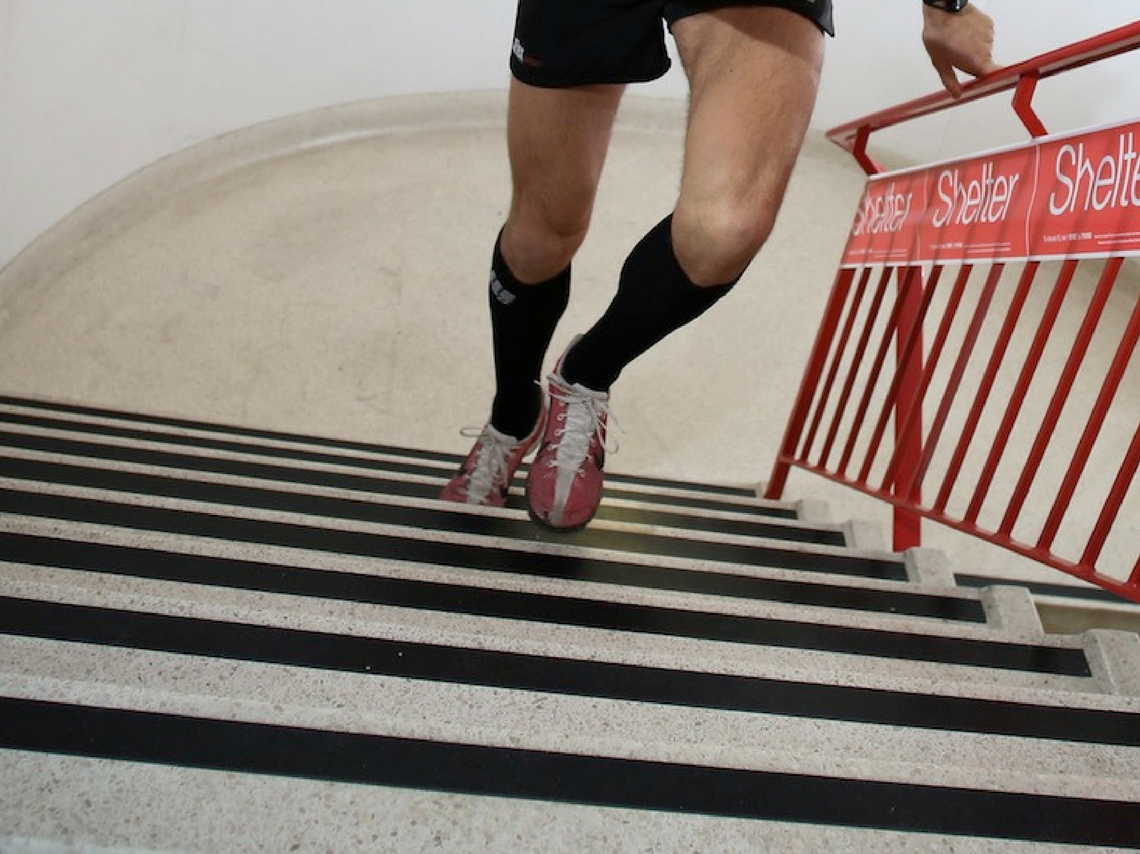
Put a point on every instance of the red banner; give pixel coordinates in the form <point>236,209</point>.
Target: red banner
<point>1058,197</point>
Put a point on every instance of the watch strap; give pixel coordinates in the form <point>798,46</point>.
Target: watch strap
<point>947,5</point>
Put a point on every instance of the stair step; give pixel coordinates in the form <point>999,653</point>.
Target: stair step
<point>452,602</point>
<point>116,554</point>
<point>455,577</point>
<point>345,749</point>
<point>242,813</point>
<point>31,447</point>
<point>661,508</point>
<point>324,645</point>
<point>437,515</point>
<point>452,712</point>
<point>204,436</point>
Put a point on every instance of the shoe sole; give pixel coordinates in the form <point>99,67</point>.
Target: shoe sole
<point>563,529</point>
<point>568,529</point>
<point>535,439</point>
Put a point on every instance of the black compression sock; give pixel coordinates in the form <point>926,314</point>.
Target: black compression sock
<point>523,318</point>
<point>654,298</point>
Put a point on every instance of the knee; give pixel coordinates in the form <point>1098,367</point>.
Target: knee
<point>716,241</point>
<point>538,244</point>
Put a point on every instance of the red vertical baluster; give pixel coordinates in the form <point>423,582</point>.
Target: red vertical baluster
<point>1021,389</point>
<point>856,364</point>
<point>836,360</point>
<point>907,523</point>
<point>907,280</point>
<point>955,381</point>
<point>910,332</point>
<point>908,452</point>
<point>1096,419</point>
<point>1113,503</point>
<point>1060,396</point>
<point>982,398</point>
<point>808,385</point>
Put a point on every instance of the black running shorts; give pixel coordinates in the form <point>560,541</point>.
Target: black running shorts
<point>585,42</point>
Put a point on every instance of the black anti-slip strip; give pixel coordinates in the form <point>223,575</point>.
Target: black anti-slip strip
<point>535,608</point>
<point>613,489</point>
<point>316,441</point>
<point>387,486</point>
<point>456,521</point>
<point>518,671</point>
<point>597,570</point>
<point>560,777</point>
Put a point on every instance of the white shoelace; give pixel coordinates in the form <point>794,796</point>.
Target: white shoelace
<point>490,469</point>
<point>585,417</point>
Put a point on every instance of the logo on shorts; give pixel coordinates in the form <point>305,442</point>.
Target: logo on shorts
<point>521,55</point>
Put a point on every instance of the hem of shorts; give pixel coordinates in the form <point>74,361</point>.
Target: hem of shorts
<point>534,77</point>
<point>829,31</point>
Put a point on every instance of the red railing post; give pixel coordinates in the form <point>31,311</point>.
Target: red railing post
<point>908,523</point>
<point>1023,105</point>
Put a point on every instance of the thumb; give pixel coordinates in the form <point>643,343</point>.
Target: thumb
<point>988,67</point>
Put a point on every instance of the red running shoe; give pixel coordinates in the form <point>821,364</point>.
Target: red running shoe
<point>486,474</point>
<point>564,486</point>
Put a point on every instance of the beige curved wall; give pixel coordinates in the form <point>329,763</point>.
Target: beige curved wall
<point>91,92</point>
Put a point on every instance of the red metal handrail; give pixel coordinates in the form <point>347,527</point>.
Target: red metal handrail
<point>1073,199</point>
<point>1022,78</point>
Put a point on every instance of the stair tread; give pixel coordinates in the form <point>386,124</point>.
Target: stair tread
<point>214,497</point>
<point>573,600</point>
<point>567,723</point>
<point>94,420</point>
<point>661,508</point>
<point>484,546</point>
<point>622,781</point>
<point>181,598</point>
<point>241,813</point>
<point>340,629</point>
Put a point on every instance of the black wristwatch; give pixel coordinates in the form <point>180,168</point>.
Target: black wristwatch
<point>948,5</point>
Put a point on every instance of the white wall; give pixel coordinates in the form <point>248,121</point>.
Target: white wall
<point>92,91</point>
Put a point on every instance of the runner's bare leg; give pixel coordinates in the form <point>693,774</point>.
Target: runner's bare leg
<point>557,141</point>
<point>753,74</point>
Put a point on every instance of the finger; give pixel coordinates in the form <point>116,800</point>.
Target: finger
<point>949,78</point>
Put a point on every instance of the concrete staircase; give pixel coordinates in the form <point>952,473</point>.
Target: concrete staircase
<point>229,640</point>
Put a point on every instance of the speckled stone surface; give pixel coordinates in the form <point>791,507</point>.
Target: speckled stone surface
<point>124,805</point>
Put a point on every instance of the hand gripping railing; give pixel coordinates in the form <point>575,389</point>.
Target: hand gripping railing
<point>1034,382</point>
